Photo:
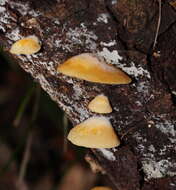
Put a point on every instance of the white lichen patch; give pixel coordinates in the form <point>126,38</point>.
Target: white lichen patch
<point>81,111</point>
<point>136,71</point>
<point>138,103</point>
<point>14,35</point>
<point>110,56</point>
<point>158,169</point>
<point>113,57</point>
<point>78,36</point>
<point>108,44</point>
<point>57,43</point>
<point>23,8</point>
<point>108,154</point>
<point>103,17</point>
<point>151,148</point>
<point>5,18</point>
<point>173,184</point>
<point>163,150</point>
<point>168,128</point>
<point>142,87</point>
<point>145,89</point>
<point>2,9</point>
<point>151,165</point>
<point>3,2</point>
<point>57,22</point>
<point>48,65</point>
<point>78,91</point>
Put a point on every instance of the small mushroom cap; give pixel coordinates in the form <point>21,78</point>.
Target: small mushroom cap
<point>101,188</point>
<point>26,46</point>
<point>88,67</point>
<point>95,132</point>
<point>100,104</point>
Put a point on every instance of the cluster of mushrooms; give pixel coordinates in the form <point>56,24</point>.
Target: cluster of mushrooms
<point>97,131</point>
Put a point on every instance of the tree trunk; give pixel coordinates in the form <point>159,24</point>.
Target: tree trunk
<point>124,33</point>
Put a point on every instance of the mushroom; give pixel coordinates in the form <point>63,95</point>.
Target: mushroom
<point>91,68</point>
<point>101,188</point>
<point>26,46</point>
<point>95,132</point>
<point>100,104</point>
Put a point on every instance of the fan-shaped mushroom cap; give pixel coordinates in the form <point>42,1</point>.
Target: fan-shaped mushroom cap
<point>88,67</point>
<point>26,46</point>
<point>95,132</point>
<point>100,104</point>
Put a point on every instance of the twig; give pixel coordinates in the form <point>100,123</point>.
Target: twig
<point>26,156</point>
<point>23,106</point>
<point>34,115</point>
<point>158,25</point>
<point>126,133</point>
<point>25,159</point>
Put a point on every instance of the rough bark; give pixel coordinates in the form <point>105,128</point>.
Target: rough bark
<point>123,33</point>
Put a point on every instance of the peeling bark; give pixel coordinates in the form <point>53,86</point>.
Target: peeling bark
<point>122,32</point>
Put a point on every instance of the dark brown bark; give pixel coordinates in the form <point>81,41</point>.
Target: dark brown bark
<point>123,32</point>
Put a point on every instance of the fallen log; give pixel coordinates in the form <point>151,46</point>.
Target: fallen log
<point>123,33</point>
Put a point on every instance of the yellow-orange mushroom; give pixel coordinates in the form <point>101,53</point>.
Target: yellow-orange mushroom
<point>95,132</point>
<point>100,104</point>
<point>89,67</point>
<point>26,46</point>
